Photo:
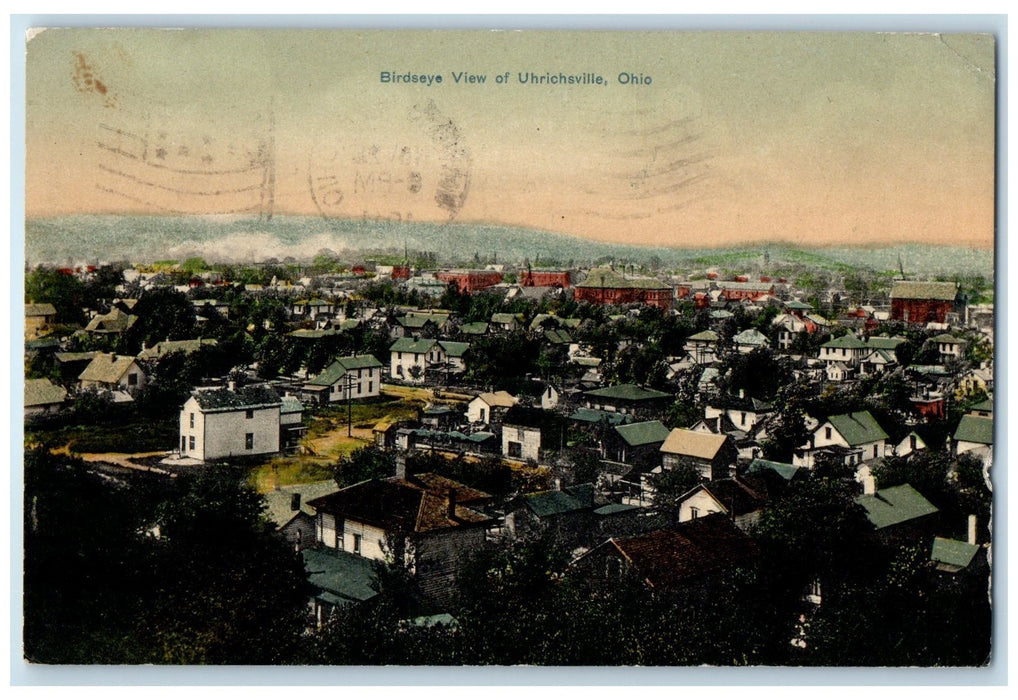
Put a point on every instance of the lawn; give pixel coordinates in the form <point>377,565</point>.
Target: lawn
<point>148,436</point>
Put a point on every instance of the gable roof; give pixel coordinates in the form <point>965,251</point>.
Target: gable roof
<point>882,343</point>
<point>106,369</point>
<point>668,557</point>
<point>606,277</point>
<point>279,501</point>
<point>735,495</point>
<point>693,444</point>
<point>705,336</point>
<point>340,578</point>
<point>475,328</point>
<point>937,291</point>
<point>751,336</point>
<point>418,346</point>
<point>645,433</point>
<point>339,367</point>
<point>978,429</point>
<point>858,428</point>
<point>453,348</point>
<point>782,469</point>
<point>497,399</point>
<point>116,321</point>
<point>895,505</point>
<point>168,346</point>
<point>593,415</point>
<point>43,392</point>
<point>223,399</point>
<point>39,310</point>
<point>847,342</point>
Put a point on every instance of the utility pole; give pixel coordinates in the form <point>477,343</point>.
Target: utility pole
<point>349,404</point>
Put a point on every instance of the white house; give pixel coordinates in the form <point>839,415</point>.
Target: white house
<point>847,349</point>
<point>521,442</point>
<point>225,422</point>
<point>854,437</point>
<point>425,354</point>
<point>114,373</point>
<point>357,377</point>
<point>483,406</point>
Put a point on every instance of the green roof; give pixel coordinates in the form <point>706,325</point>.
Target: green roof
<point>407,344</point>
<point>290,404</point>
<point>606,277</point>
<point>978,429</point>
<point>946,338</point>
<point>645,433</point>
<point>506,318</point>
<point>782,469</point>
<point>339,577</point>
<point>568,500</point>
<point>881,343</point>
<point>476,328</point>
<point>798,305</point>
<point>338,369</point>
<point>590,415</point>
<point>986,405</point>
<point>454,349</point>
<point>858,428</point>
<point>627,392</point>
<point>953,553</point>
<point>557,337</point>
<point>613,508</point>
<point>848,341</point>
<point>938,291</point>
<point>168,346</point>
<point>895,505</point>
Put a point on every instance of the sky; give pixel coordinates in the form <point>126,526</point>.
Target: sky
<point>717,138</point>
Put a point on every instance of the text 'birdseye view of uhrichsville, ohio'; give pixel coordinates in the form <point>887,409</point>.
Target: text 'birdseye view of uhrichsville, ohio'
<point>508,348</point>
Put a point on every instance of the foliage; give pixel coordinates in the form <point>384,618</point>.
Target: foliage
<point>671,484</point>
<point>363,464</point>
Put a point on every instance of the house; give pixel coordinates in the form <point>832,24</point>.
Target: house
<point>744,413</point>
<point>909,444</point>
<point>712,455</point>
<point>168,346</point>
<point>112,372</point>
<point>506,321</point>
<point>952,556</point>
<point>606,286</point>
<point>566,512</point>
<point>469,281</point>
<point>780,473</point>
<point>346,378</point>
<point>854,437</point>
<point>522,433</point>
<point>739,291</point>
<point>291,424</point>
<point>635,442</point>
<point>702,347</point>
<point>846,349</point>
<point>419,520</point>
<point>685,557</point>
<point>898,513</point>
<point>626,398</point>
<point>337,579</point>
<point>114,323</point>
<point>544,278</point>
<point>490,406</point>
<point>426,355</point>
<point>287,508</point>
<point>974,435</point>
<point>43,396</point>
<point>749,340</point>
<point>922,302</point>
<point>948,347</point>
<point>39,319</point>
<point>741,500</point>
<point>228,422</point>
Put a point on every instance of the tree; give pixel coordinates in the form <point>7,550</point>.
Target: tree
<point>672,484</point>
<point>363,464</point>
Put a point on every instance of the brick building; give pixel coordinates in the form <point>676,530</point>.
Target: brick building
<point>470,281</point>
<point>545,278</point>
<point>606,286</point>
<point>922,302</point>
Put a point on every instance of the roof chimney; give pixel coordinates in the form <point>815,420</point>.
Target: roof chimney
<point>869,485</point>
<point>452,503</point>
<point>972,529</point>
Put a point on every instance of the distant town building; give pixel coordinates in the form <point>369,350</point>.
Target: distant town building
<point>545,278</point>
<point>470,281</point>
<point>922,302</point>
<point>607,286</point>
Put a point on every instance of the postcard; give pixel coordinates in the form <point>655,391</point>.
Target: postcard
<point>530,348</point>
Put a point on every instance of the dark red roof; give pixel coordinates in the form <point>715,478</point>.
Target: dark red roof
<point>670,557</point>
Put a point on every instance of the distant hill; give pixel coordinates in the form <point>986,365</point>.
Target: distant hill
<point>60,240</point>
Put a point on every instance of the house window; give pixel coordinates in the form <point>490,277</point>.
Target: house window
<point>874,450</point>
<point>399,356</point>
<point>249,413</point>
<point>190,442</point>
<point>743,417</point>
<point>183,444</point>
<point>249,441</point>
<point>515,450</point>
<point>132,379</point>
<point>356,544</point>
<point>827,433</point>
<point>484,416</point>
<point>694,513</point>
<point>371,387</point>
<point>192,420</point>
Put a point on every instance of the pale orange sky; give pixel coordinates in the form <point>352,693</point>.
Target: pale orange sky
<point>808,138</point>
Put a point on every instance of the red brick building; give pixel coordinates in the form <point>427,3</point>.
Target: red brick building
<point>400,272</point>
<point>545,278</point>
<point>470,281</point>
<point>922,302</point>
<point>606,286</point>
<point>739,290</point>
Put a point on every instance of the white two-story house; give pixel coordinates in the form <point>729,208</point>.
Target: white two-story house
<point>226,422</point>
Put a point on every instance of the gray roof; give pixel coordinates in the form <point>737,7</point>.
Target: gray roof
<point>39,310</point>
<point>222,399</point>
<point>568,500</point>
<point>978,429</point>
<point>279,501</point>
<point>43,392</point>
<point>937,291</point>
<point>106,369</point>
<point>627,392</point>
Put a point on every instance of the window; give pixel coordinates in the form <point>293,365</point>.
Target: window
<point>190,442</point>
<point>371,387</point>
<point>249,441</point>
<point>515,450</point>
<point>694,512</point>
<point>827,433</point>
<point>875,450</point>
<point>249,413</point>
<point>356,544</point>
<point>183,444</point>
<point>743,417</point>
<point>192,420</point>
<point>132,379</point>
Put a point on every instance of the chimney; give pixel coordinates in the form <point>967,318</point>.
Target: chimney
<point>869,485</point>
<point>452,504</point>
<point>972,529</point>
<point>295,501</point>
<point>401,465</point>
<point>556,483</point>
<point>231,385</point>
<point>113,357</point>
